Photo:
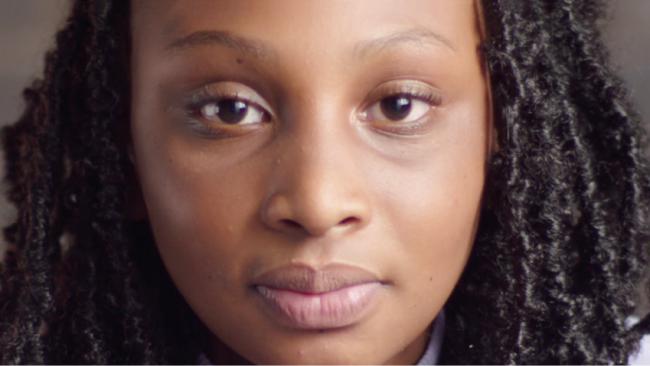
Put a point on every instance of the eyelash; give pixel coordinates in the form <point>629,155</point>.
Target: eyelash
<point>195,103</point>
<point>421,98</point>
<point>429,97</point>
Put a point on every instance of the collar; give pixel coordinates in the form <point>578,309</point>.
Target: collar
<point>432,353</point>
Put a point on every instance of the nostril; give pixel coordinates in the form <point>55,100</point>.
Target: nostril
<point>348,220</point>
<point>296,225</point>
<point>291,223</point>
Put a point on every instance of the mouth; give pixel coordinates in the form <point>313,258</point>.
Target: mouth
<point>302,297</point>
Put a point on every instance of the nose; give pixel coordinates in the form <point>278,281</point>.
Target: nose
<point>317,185</point>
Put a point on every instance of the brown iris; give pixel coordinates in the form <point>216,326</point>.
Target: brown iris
<point>232,111</point>
<point>396,108</point>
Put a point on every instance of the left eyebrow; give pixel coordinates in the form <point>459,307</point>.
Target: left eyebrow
<point>417,35</point>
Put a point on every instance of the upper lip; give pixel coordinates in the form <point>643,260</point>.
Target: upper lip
<point>307,279</point>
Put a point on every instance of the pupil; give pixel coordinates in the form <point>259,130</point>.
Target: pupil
<point>232,110</point>
<point>396,108</point>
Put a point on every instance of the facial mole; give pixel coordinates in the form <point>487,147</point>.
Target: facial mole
<point>239,61</point>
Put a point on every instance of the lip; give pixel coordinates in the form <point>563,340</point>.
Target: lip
<point>303,297</point>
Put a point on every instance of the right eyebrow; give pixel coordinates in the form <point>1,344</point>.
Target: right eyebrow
<point>255,48</point>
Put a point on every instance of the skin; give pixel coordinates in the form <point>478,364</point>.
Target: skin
<point>322,176</point>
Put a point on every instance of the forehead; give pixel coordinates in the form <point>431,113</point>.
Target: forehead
<point>313,26</point>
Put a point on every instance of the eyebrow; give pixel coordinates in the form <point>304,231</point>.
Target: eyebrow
<point>262,50</point>
<point>420,36</point>
<point>255,48</point>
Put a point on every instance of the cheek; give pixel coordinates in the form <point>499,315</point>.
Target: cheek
<point>431,208</point>
<point>435,233</point>
<point>200,210</point>
<point>202,213</point>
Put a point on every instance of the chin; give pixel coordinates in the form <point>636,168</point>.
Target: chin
<point>317,349</point>
<point>319,356</point>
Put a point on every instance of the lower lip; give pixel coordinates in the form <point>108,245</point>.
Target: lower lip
<point>333,309</point>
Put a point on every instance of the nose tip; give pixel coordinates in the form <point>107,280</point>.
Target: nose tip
<point>313,216</point>
<point>317,187</point>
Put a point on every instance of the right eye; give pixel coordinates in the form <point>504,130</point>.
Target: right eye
<point>233,112</point>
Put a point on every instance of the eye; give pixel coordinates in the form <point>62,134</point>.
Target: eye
<point>398,108</point>
<point>233,112</point>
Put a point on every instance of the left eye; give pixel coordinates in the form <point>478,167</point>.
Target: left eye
<point>232,112</point>
<point>398,108</point>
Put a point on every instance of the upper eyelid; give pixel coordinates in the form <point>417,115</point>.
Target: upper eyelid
<point>423,96</point>
<point>416,89</point>
<point>203,96</point>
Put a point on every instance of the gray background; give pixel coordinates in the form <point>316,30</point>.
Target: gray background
<point>27,29</point>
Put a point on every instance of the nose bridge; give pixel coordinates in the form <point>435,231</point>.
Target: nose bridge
<point>317,186</point>
<point>317,141</point>
<point>317,164</point>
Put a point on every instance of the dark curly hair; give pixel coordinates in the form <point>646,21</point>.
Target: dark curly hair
<point>551,279</point>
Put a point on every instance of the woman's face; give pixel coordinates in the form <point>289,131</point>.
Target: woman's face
<point>312,170</point>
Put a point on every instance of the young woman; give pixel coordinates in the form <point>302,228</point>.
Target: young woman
<point>325,182</point>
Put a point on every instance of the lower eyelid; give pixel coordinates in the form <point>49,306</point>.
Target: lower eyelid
<point>204,130</point>
<point>405,130</point>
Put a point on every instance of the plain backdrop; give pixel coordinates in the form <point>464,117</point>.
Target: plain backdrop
<point>27,30</point>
